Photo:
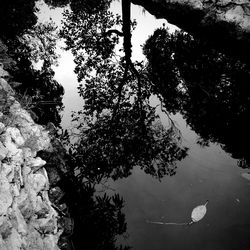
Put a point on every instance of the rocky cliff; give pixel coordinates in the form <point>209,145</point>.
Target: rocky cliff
<point>27,218</point>
<point>225,23</point>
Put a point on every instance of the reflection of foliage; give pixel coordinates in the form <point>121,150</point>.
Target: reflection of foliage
<point>86,34</point>
<point>98,219</point>
<point>119,130</point>
<point>28,43</point>
<point>209,88</point>
<point>16,17</point>
<point>38,44</point>
<point>111,148</point>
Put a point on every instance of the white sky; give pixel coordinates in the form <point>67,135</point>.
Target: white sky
<point>64,72</point>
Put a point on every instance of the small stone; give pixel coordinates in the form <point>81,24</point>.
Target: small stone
<point>34,241</point>
<point>15,190</point>
<point>2,126</point>
<point>3,73</point>
<point>17,111</point>
<point>47,225</point>
<point>16,158</point>
<point>11,174</point>
<point>3,244</point>
<point>28,153</point>
<point>11,147</point>
<point>25,171</point>
<point>50,242</point>
<point>27,208</point>
<point>5,195</point>
<point>37,182</point>
<point>36,137</point>
<point>5,229</point>
<point>6,170</point>
<point>3,151</point>
<point>15,135</point>
<point>14,241</point>
<point>4,86</point>
<point>42,208</point>
<point>36,162</point>
<point>21,224</point>
<point>22,199</point>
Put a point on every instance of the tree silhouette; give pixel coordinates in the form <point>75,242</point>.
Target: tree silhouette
<point>16,17</point>
<point>209,88</point>
<point>98,218</point>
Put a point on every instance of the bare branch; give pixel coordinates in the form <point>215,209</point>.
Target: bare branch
<point>122,83</point>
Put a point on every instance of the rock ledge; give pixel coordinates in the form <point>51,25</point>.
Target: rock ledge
<point>27,218</point>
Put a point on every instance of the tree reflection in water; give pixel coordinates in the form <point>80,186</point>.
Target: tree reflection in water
<point>110,146</point>
<point>98,219</point>
<point>117,129</point>
<point>209,88</point>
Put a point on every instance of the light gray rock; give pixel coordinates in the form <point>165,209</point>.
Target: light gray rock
<point>36,162</point>
<point>5,195</point>
<point>15,135</point>
<point>14,241</point>
<point>3,73</point>
<point>34,240</point>
<point>37,182</point>
<point>3,151</point>
<point>2,126</point>
<point>6,169</point>
<point>49,243</point>
<point>10,146</point>
<point>27,219</point>
<point>21,223</point>
<point>4,86</point>
<point>28,154</point>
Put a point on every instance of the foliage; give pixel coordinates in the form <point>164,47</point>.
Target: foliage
<point>162,70</point>
<point>44,97</point>
<point>111,146</point>
<point>29,42</point>
<point>85,34</point>
<point>98,219</point>
<point>16,17</point>
<point>39,86</point>
<point>209,88</point>
<point>118,127</point>
<point>112,149</point>
<point>40,43</point>
<point>57,3</point>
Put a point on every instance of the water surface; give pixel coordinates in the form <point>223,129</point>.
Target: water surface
<point>205,174</point>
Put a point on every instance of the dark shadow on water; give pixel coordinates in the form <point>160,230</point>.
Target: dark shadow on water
<point>210,89</point>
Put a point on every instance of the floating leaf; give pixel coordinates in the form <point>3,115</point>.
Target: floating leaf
<point>199,212</point>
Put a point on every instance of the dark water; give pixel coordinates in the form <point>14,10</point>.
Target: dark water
<point>212,172</point>
<point>205,174</point>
